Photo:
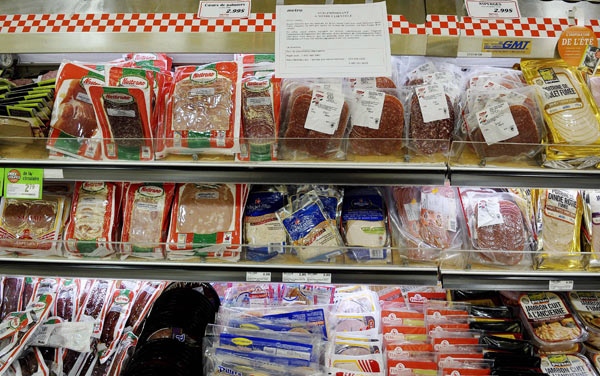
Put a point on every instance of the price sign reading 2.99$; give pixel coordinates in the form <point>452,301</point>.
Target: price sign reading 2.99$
<point>23,183</point>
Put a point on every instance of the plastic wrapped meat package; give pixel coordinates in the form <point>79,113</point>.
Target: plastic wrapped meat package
<point>203,110</point>
<point>569,111</point>
<point>314,119</point>
<point>33,227</point>
<point>586,306</point>
<point>560,215</point>
<point>428,225</point>
<point>591,227</point>
<point>206,221</point>
<point>364,226</point>
<point>503,124</point>
<point>498,228</point>
<point>90,231</point>
<point>145,219</point>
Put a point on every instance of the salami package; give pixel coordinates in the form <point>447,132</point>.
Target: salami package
<point>498,228</point>
<point>365,225</point>
<point>568,108</point>
<point>145,219</point>
<point>314,120</point>
<point>591,227</point>
<point>32,227</point>
<point>90,230</point>
<point>203,110</point>
<point>206,221</point>
<point>260,115</point>
<point>428,223</point>
<point>123,116</point>
<point>560,212</point>
<point>74,131</point>
<point>503,124</point>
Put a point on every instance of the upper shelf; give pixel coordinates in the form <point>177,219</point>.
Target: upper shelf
<point>417,27</point>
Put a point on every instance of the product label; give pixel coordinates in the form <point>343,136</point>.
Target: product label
<point>366,83</point>
<point>117,112</point>
<point>422,70</point>
<point>587,304</point>
<point>258,101</point>
<point>324,111</point>
<point>224,9</point>
<point>561,204</point>
<point>497,124</point>
<point>493,9</point>
<point>543,306</point>
<point>558,91</point>
<point>432,100</point>
<point>413,211</point>
<point>565,364</point>
<point>437,203</point>
<point>367,109</point>
<point>488,213</point>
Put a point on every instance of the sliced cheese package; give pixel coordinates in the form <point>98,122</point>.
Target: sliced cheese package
<point>569,110</point>
<point>560,213</point>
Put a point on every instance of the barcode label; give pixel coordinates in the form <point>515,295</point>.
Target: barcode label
<point>377,253</point>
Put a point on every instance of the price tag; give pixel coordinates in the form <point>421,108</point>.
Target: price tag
<point>493,9</point>
<point>306,277</point>
<point>224,9</point>
<point>560,285</point>
<point>23,183</point>
<point>258,276</point>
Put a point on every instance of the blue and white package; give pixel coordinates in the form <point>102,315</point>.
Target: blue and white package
<point>365,225</point>
<point>263,232</point>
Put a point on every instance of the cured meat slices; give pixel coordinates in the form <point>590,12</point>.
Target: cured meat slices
<point>433,136</point>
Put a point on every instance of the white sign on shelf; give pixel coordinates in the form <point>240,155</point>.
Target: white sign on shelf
<point>306,277</point>
<point>224,9</point>
<point>493,9</point>
<point>560,285</point>
<point>258,276</point>
<point>340,40</point>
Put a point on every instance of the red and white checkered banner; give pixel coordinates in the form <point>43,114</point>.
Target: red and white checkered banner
<point>443,25</point>
<point>529,27</point>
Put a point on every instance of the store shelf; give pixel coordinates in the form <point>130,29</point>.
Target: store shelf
<point>229,272</point>
<point>514,280</point>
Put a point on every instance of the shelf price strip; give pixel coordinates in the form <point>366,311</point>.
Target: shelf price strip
<point>25,183</point>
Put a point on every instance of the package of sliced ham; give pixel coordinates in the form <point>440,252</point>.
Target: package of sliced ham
<point>32,227</point>
<point>122,114</point>
<point>74,131</point>
<point>498,228</point>
<point>203,110</point>
<point>146,210</point>
<point>91,227</point>
<point>206,221</point>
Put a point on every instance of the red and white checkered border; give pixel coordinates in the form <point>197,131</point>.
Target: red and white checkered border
<point>529,27</point>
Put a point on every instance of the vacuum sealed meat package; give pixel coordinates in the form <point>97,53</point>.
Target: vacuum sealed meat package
<point>591,226</point>
<point>203,110</point>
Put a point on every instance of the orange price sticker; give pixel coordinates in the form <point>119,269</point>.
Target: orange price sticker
<point>574,42</point>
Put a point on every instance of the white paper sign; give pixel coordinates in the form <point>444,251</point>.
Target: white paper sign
<point>306,277</point>
<point>493,9</point>
<point>258,276</point>
<point>566,285</point>
<point>340,40</point>
<point>224,9</point>
<point>497,124</point>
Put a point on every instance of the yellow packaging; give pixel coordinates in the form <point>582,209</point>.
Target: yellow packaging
<point>569,109</point>
<point>561,211</point>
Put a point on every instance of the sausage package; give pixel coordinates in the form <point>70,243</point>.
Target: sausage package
<point>560,212</point>
<point>206,221</point>
<point>314,120</point>
<point>123,116</point>
<point>428,223</point>
<point>32,227</point>
<point>203,110</point>
<point>549,321</point>
<point>146,219</point>
<point>90,230</point>
<point>568,108</point>
<point>499,228</point>
<point>74,131</point>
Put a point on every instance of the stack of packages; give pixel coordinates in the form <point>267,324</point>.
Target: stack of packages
<point>71,326</point>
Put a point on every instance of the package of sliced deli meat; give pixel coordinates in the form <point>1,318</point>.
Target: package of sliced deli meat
<point>146,211</point>
<point>314,119</point>
<point>499,228</point>
<point>427,224</point>
<point>90,231</point>
<point>591,226</point>
<point>503,124</point>
<point>206,221</point>
<point>122,114</point>
<point>74,131</point>
<point>203,110</point>
<point>32,227</point>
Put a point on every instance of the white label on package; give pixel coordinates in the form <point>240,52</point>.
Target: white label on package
<point>493,9</point>
<point>488,213</point>
<point>324,111</point>
<point>497,124</point>
<point>224,9</point>
<point>363,82</point>
<point>432,100</point>
<point>413,211</point>
<point>367,109</point>
<point>338,40</point>
<point>258,101</point>
<point>422,70</point>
